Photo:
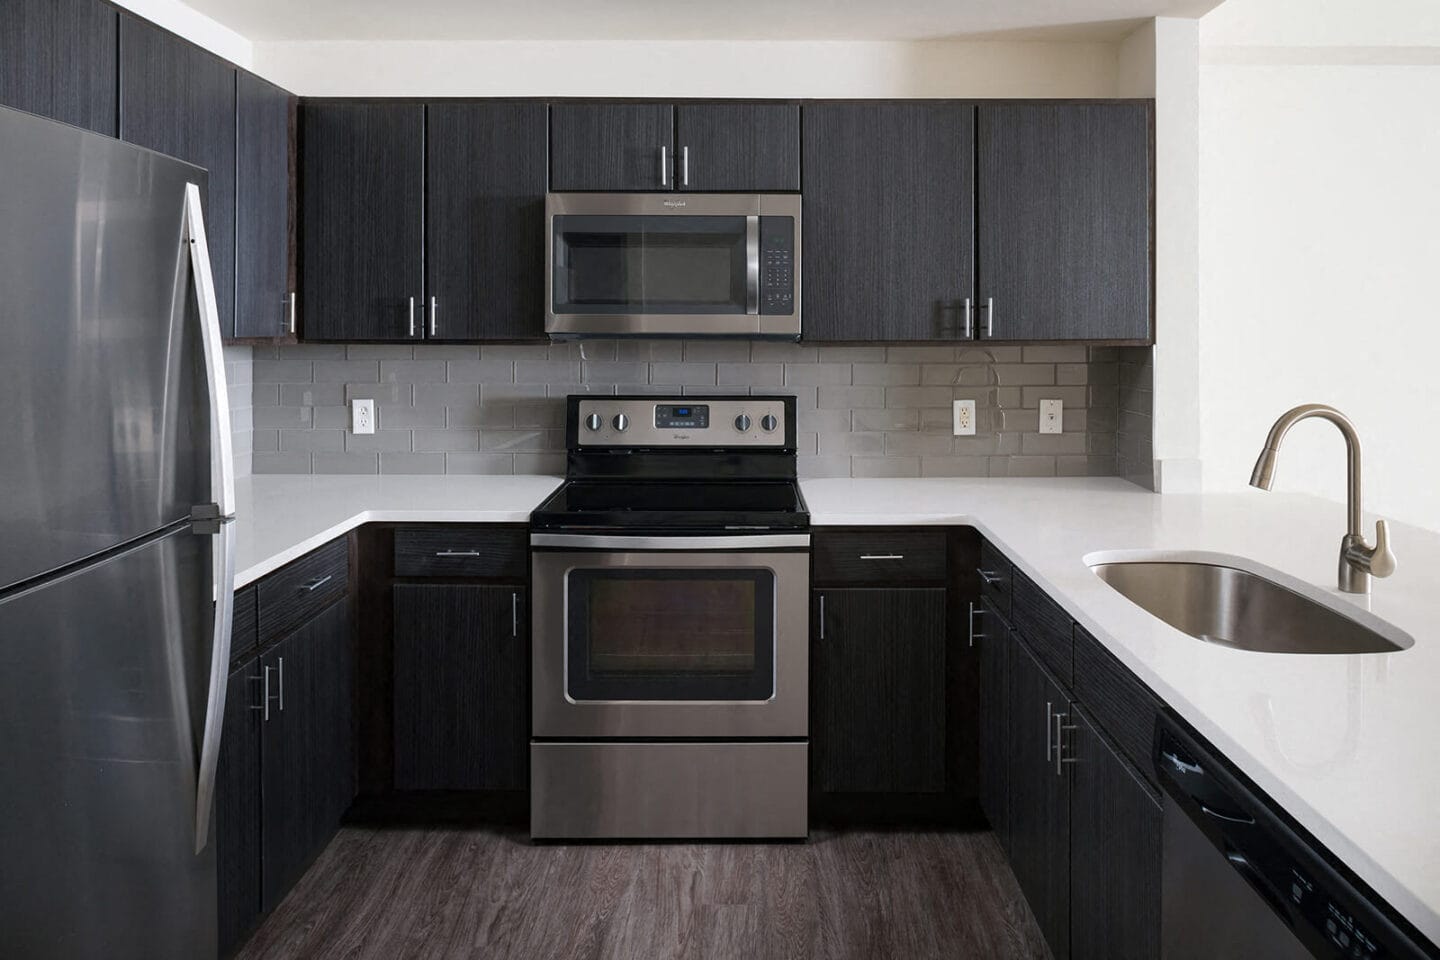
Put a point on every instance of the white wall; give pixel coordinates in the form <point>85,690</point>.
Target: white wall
<point>693,69</point>
<point>1320,242</point>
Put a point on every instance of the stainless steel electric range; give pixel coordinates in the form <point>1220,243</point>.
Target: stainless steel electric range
<point>671,576</point>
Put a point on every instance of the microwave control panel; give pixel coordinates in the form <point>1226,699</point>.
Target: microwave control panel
<point>777,265</point>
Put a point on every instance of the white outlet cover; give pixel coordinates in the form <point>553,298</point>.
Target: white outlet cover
<point>1052,416</point>
<point>964,418</point>
<point>362,416</point>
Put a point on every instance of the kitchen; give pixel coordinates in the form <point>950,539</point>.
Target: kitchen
<point>792,480</point>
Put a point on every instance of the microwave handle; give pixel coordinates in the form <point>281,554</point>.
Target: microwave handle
<point>752,265</point>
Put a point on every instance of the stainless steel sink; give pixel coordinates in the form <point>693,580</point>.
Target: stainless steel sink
<point>1226,605</point>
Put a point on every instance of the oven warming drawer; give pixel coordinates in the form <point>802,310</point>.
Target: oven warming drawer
<point>671,791</point>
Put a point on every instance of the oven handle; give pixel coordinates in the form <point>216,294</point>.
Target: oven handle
<point>752,265</point>
<point>595,542</point>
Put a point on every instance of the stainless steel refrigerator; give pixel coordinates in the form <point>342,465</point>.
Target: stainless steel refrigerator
<point>116,552</point>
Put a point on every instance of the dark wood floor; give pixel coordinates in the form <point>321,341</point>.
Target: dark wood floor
<point>469,893</point>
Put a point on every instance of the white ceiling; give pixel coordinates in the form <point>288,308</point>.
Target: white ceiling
<point>568,20</point>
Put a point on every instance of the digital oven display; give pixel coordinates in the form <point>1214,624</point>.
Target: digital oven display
<point>690,417</point>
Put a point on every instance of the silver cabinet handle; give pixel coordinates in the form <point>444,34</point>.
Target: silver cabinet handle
<point>989,577</point>
<point>988,329</point>
<point>290,300</point>
<point>434,327</point>
<point>970,621</point>
<point>412,316</point>
<point>1049,731</point>
<point>315,584</point>
<point>882,556</point>
<point>514,614</point>
<point>281,672</point>
<point>822,616</point>
<point>457,553</point>
<point>264,680</point>
<point>1060,759</point>
<point>664,168</point>
<point>968,332</point>
<point>685,166</point>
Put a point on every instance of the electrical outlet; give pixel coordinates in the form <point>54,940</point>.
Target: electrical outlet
<point>362,416</point>
<point>1052,416</point>
<point>964,418</point>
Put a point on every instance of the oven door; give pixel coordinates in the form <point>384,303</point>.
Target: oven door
<point>670,636</point>
<point>649,264</point>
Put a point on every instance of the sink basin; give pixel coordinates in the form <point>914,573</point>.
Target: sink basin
<point>1223,604</point>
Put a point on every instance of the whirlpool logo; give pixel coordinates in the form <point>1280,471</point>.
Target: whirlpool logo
<point>673,203</point>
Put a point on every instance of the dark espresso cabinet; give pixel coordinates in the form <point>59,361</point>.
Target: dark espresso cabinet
<point>485,221</point>
<point>878,682</point>
<point>1064,221</point>
<point>237,808</point>
<point>264,299</point>
<point>180,100</point>
<point>57,59</point>
<point>362,220</point>
<point>749,147</point>
<point>611,146</point>
<point>461,669</point>
<point>889,212</point>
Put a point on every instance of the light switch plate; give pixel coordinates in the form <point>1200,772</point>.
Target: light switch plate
<point>1052,416</point>
<point>362,416</point>
<point>964,418</point>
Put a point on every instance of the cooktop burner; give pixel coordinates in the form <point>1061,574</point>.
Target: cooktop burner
<point>674,505</point>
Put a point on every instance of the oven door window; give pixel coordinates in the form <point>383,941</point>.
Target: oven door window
<point>704,633</point>
<point>648,264</point>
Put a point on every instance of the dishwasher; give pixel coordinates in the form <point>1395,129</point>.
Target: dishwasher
<point>1241,882</point>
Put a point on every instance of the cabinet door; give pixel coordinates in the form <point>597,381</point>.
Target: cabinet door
<point>180,100</point>
<point>752,147</point>
<point>57,59</point>
<point>889,220</point>
<point>362,193</point>
<point>878,682</point>
<point>262,215</point>
<point>1039,798</point>
<point>1115,843</point>
<point>237,808</point>
<point>485,221</point>
<point>1064,233</point>
<point>612,146</point>
<point>994,641</point>
<point>307,746</point>
<point>461,687</point>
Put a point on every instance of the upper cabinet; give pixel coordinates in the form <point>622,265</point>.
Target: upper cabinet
<point>484,221</point>
<point>180,100</point>
<point>57,59</point>
<point>362,220</point>
<point>889,214</point>
<point>264,298</point>
<point>743,147</point>
<point>1064,214</point>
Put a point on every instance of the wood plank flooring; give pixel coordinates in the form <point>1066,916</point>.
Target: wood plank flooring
<point>464,892</point>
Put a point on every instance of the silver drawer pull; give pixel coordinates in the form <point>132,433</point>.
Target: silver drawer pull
<point>458,553</point>
<point>316,584</point>
<point>990,578</point>
<point>882,556</point>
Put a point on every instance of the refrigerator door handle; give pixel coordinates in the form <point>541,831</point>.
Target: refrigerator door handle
<point>222,459</point>
<point>224,565</point>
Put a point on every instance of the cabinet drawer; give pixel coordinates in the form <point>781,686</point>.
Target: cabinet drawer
<point>243,635</point>
<point>1122,705</point>
<point>292,596</point>
<point>492,552</point>
<point>1044,625</point>
<point>995,575</point>
<point>909,557</point>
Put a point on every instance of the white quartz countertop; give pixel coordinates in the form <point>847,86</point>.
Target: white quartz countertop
<point>1346,744</point>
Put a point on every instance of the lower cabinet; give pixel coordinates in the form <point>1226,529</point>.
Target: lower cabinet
<point>237,808</point>
<point>461,661</point>
<point>878,684</point>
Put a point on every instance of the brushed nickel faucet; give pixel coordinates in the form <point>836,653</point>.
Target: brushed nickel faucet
<point>1358,560</point>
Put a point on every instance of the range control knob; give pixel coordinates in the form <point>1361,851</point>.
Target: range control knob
<point>768,423</point>
<point>593,422</point>
<point>742,423</point>
<point>620,422</point>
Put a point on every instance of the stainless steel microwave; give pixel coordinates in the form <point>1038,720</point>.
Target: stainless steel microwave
<point>672,264</point>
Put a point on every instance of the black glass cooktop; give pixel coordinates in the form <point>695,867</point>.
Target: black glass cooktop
<point>673,505</point>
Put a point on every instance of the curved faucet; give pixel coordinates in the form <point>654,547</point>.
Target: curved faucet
<point>1359,561</point>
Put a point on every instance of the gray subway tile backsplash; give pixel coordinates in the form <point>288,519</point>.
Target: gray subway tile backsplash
<point>868,410</point>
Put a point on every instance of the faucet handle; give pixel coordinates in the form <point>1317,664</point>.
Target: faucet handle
<point>1382,560</point>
